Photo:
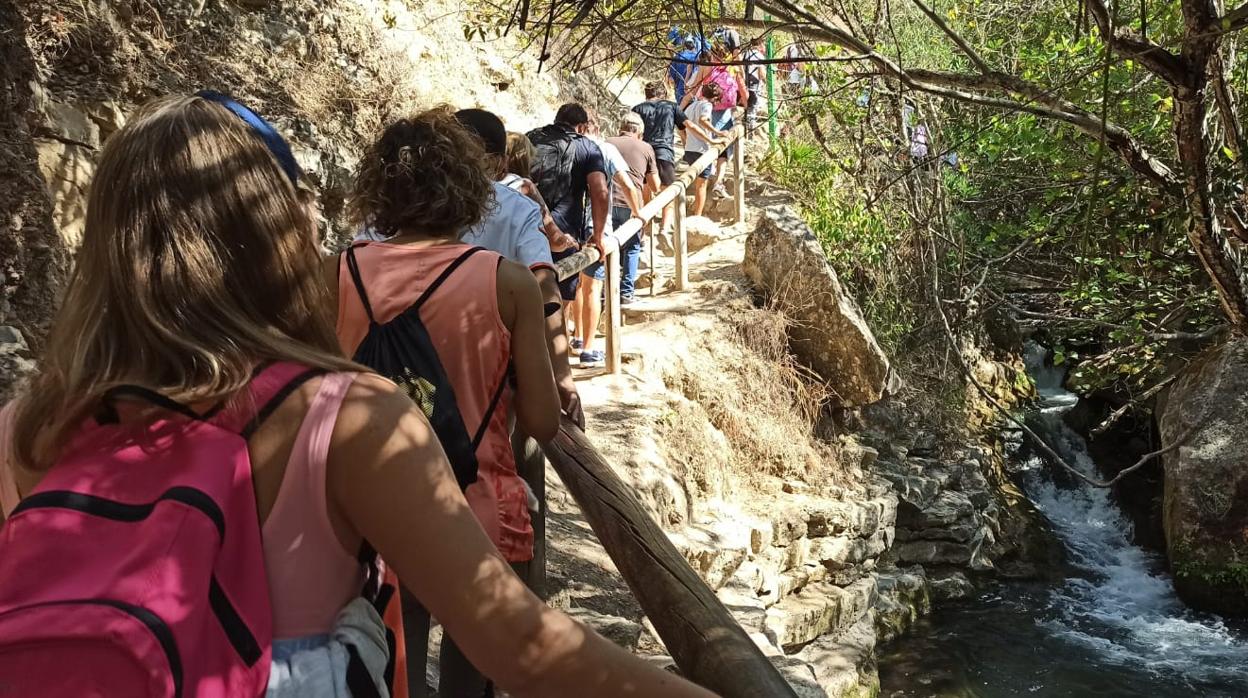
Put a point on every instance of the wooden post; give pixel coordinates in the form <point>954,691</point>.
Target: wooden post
<point>703,638</point>
<point>679,242</point>
<point>648,234</point>
<point>738,184</point>
<point>614,321</point>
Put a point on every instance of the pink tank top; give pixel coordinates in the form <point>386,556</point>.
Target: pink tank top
<point>310,576</point>
<point>474,347</point>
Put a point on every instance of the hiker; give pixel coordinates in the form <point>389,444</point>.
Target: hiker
<point>643,171</point>
<point>662,117</point>
<point>732,94</point>
<point>482,322</point>
<point>798,82</point>
<point>519,173</point>
<point>754,74</point>
<point>567,169</point>
<point>587,308</point>
<point>513,227</point>
<point>192,373</point>
<point>684,62</point>
<point>450,322</point>
<point>699,114</point>
<point>520,196</point>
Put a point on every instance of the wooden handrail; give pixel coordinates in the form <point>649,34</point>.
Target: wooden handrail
<point>703,638</point>
<point>675,192</point>
<point>574,264</point>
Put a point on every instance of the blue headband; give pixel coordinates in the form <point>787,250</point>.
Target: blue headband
<point>272,139</point>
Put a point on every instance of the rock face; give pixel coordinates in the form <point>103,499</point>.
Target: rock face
<point>829,334</point>
<point>32,260</point>
<point>1206,492</point>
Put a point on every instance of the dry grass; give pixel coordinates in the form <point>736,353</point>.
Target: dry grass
<point>745,382</point>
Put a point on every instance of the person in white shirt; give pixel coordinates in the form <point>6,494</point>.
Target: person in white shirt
<point>700,135</point>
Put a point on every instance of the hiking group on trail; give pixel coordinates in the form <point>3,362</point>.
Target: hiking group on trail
<point>244,469</point>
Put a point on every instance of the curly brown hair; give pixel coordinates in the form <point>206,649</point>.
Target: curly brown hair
<point>425,174</point>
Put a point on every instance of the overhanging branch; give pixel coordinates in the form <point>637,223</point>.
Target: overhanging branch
<point>1128,42</point>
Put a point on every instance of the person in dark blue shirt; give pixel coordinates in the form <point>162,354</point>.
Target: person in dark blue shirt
<point>683,64</point>
<point>588,179</point>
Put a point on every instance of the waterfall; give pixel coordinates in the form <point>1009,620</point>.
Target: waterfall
<point>1119,605</point>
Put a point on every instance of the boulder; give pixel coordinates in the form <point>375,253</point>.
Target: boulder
<point>829,334</point>
<point>1205,510</point>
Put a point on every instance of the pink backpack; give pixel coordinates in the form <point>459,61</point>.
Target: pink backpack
<point>728,86</point>
<point>135,568</point>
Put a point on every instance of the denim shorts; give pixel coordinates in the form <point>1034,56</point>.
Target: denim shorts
<point>567,287</point>
<point>619,216</point>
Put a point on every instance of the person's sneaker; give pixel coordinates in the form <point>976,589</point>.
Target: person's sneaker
<point>627,300</point>
<point>577,343</point>
<point>589,358</point>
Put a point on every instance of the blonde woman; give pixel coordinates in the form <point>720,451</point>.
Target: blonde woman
<point>198,265</point>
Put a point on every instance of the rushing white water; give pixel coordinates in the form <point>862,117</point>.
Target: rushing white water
<point>1120,604</point>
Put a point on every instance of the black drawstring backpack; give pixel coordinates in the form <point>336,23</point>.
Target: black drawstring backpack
<point>403,351</point>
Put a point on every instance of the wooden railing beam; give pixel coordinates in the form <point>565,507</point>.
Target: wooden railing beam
<point>703,638</point>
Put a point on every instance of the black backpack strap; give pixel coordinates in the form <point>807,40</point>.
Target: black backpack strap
<point>359,681</point>
<point>489,411</point>
<point>354,267</point>
<point>446,273</point>
<point>276,401</point>
<point>108,408</point>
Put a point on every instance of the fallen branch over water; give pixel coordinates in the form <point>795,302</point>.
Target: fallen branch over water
<point>1039,440</point>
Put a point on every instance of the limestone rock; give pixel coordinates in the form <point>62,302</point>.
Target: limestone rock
<point>15,363</point>
<point>68,123</point>
<point>785,261</point>
<point>818,609</point>
<point>67,169</point>
<point>902,599</point>
<point>950,587</point>
<point>701,232</point>
<point>800,675</point>
<point>845,664</point>
<point>1205,517</point>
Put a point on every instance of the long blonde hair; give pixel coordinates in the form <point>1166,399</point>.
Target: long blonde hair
<point>197,262</point>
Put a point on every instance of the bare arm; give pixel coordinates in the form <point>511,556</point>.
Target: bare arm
<point>703,130</point>
<point>389,478</point>
<point>623,180</point>
<point>557,346</point>
<point>558,239</point>
<point>520,304</point>
<point>600,204</point>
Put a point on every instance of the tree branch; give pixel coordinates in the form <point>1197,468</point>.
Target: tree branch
<point>972,88</point>
<point>1234,20</point>
<point>1128,42</point>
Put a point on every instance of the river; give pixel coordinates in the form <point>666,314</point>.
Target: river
<point>1113,627</point>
